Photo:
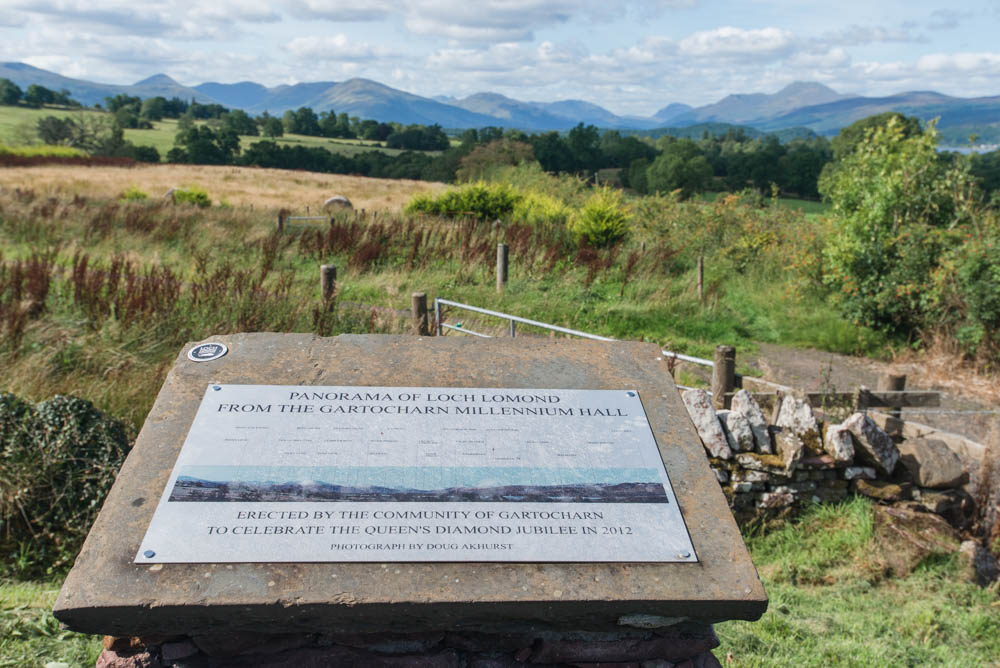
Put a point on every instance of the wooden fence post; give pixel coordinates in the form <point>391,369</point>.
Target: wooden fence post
<point>701,278</point>
<point>723,375</point>
<point>282,215</point>
<point>327,280</point>
<point>419,305</point>
<point>889,382</point>
<point>501,267</point>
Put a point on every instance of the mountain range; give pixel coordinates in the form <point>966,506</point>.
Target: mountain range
<point>799,105</point>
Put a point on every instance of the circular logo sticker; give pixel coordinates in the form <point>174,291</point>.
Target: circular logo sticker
<point>206,352</point>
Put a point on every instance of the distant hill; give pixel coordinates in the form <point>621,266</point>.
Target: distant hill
<point>91,93</point>
<point>753,108</point>
<point>795,110</point>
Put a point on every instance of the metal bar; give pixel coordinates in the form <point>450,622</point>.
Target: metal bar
<point>684,387</point>
<point>526,321</point>
<point>512,334</point>
<point>467,331</point>
<point>307,218</point>
<point>688,358</point>
<point>950,411</point>
<point>437,316</point>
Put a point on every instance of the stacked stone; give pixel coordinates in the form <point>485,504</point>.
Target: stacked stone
<point>686,644</point>
<point>797,458</point>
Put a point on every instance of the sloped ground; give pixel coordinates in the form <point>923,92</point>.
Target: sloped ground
<point>818,371</point>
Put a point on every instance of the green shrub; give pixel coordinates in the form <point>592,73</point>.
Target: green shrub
<point>45,151</point>
<point>133,194</point>
<point>540,209</point>
<point>58,460</point>
<point>193,195</point>
<point>483,201</point>
<point>897,205</point>
<point>603,220</point>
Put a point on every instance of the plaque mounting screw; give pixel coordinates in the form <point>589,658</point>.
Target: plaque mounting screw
<point>216,388</point>
<point>631,394</point>
<point>684,555</point>
<point>149,554</point>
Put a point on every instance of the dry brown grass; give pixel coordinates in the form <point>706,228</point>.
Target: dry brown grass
<point>239,186</point>
<point>942,365</point>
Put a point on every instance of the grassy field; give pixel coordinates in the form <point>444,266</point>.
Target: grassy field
<point>830,604</point>
<point>108,291</point>
<point>643,290</point>
<point>17,128</point>
<point>240,187</point>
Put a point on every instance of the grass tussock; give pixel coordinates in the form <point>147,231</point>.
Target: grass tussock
<point>830,605</point>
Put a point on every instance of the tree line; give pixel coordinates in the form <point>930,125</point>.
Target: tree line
<point>718,161</point>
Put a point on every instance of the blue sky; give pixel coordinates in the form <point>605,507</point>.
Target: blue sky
<point>630,57</point>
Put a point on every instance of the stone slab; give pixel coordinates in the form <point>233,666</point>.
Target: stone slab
<point>106,593</point>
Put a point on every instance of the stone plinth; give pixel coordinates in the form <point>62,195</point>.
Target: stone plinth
<point>106,593</point>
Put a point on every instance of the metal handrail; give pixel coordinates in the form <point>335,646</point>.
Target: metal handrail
<point>506,316</point>
<point>565,330</point>
<point>687,358</point>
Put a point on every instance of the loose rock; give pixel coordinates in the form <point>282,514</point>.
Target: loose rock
<point>839,443</point>
<point>932,463</point>
<point>790,447</point>
<point>337,202</point>
<point>796,416</point>
<point>978,565</point>
<point>699,407</point>
<point>874,445</point>
<point>862,472</point>
<point>737,430</point>
<point>747,406</point>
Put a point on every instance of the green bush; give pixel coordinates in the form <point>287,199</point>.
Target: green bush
<point>603,220</point>
<point>58,460</point>
<point>540,209</point>
<point>133,194</point>
<point>193,195</point>
<point>897,207</point>
<point>483,201</point>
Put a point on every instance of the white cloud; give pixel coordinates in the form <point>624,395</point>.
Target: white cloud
<point>353,11</point>
<point>987,63</point>
<point>730,42</point>
<point>186,19</point>
<point>336,47</point>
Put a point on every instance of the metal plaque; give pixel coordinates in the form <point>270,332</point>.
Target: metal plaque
<point>285,473</point>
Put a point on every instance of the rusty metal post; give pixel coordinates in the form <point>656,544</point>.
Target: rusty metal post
<point>419,307</point>
<point>328,281</point>
<point>281,221</point>
<point>501,267</point>
<point>723,375</point>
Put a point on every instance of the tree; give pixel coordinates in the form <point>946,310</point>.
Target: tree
<point>680,167</point>
<point>239,122</point>
<point>272,127</point>
<point>201,145</point>
<point>583,142</point>
<point>895,204</point>
<point>551,152</point>
<point>121,100</point>
<point>153,108</point>
<point>478,162</point>
<point>10,92</point>
<point>54,130</point>
<point>858,131</point>
<point>36,96</point>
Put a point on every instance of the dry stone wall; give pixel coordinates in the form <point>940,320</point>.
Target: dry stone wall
<point>802,457</point>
